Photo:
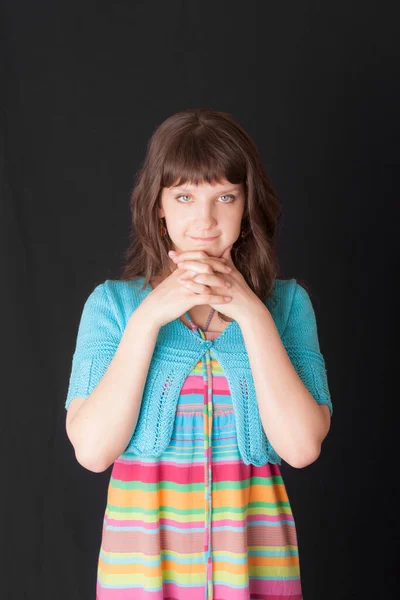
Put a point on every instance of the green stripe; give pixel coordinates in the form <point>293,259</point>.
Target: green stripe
<point>233,485</point>
<point>194,511</point>
<point>155,511</point>
<point>187,487</point>
<point>269,504</point>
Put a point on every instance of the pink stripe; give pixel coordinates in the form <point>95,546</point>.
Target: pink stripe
<point>276,518</point>
<point>154,473</point>
<point>277,590</point>
<point>196,382</point>
<point>154,525</point>
<point>169,590</point>
<point>189,524</point>
<point>191,390</point>
<point>128,470</point>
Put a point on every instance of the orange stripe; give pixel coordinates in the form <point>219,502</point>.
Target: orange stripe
<point>152,500</point>
<point>257,493</point>
<point>184,499</point>
<point>182,569</point>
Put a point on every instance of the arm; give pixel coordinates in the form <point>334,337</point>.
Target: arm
<point>103,425</point>
<point>293,420</point>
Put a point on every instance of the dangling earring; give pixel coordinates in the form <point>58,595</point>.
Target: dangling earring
<point>163,231</point>
<point>244,233</point>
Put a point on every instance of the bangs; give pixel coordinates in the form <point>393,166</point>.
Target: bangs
<point>202,158</point>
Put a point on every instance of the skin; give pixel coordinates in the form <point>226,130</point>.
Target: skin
<point>204,210</point>
<point>292,420</point>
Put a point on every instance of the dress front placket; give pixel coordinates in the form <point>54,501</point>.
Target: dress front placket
<point>208,415</point>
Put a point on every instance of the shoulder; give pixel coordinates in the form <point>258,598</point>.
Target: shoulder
<point>300,325</point>
<point>120,297</point>
<point>284,290</point>
<point>289,302</point>
<point>280,302</point>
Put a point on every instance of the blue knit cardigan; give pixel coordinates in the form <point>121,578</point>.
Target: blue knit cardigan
<point>177,350</point>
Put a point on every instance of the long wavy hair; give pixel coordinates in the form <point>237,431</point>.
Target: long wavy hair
<point>197,146</point>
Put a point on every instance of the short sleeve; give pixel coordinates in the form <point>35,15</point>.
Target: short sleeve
<point>300,338</point>
<point>97,340</point>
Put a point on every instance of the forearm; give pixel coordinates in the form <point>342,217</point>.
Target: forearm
<point>291,418</point>
<point>104,424</point>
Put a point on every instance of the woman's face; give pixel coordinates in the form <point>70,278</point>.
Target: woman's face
<point>203,211</point>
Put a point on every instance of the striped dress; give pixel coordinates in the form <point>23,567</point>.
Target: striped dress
<point>196,522</point>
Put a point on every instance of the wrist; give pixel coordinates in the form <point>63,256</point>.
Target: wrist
<point>255,310</point>
<point>144,315</point>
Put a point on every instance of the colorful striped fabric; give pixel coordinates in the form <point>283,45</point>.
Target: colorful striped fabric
<point>196,522</point>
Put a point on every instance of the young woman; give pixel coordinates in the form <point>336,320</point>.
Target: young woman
<point>195,374</point>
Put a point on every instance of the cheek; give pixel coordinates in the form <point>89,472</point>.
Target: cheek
<point>233,222</point>
<point>177,226</point>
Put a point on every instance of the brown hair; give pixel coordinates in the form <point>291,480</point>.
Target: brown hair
<point>196,146</point>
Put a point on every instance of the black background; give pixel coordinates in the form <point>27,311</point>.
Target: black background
<point>85,84</point>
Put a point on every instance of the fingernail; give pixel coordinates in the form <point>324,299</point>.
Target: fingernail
<point>171,253</point>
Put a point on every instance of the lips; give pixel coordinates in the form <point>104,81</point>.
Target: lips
<point>205,239</point>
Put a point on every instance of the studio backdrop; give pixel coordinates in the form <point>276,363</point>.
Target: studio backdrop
<point>85,85</point>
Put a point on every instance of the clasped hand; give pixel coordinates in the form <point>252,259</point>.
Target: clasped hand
<point>225,282</point>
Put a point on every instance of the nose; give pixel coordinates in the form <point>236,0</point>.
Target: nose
<point>204,221</point>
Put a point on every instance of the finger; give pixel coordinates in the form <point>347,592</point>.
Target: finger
<point>190,254</point>
<point>204,267</point>
<point>185,256</point>
<point>211,299</point>
<point>207,279</point>
<point>199,288</point>
<point>183,273</point>
<point>195,287</point>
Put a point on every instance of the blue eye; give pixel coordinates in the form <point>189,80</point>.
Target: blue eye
<point>231,196</point>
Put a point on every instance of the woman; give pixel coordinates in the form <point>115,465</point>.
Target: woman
<point>194,374</point>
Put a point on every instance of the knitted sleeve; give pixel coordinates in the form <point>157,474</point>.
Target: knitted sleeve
<point>300,339</point>
<point>97,341</point>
